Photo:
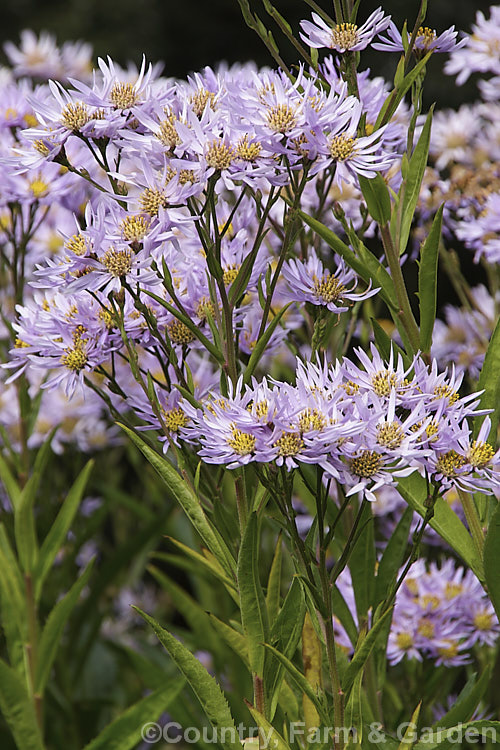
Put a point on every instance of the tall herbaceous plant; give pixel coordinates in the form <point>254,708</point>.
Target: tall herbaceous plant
<point>236,276</point>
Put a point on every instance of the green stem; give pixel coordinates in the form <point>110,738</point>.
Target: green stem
<point>31,648</point>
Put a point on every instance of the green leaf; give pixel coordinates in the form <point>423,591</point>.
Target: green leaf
<point>364,650</point>
<point>234,640</point>
<point>126,731</point>
<point>490,559</point>
<point>274,582</point>
<point>18,710</point>
<point>392,557</point>
<point>445,521</point>
<point>343,613</point>
<point>261,345</point>
<point>54,627</point>
<point>192,612</point>
<point>187,499</point>
<point>447,737</point>
<point>489,382</point>
<point>385,344</point>
<point>206,561</point>
<point>467,701</point>
<point>24,525</point>
<point>252,602</point>
<point>11,582</point>
<point>394,98</point>
<point>412,185</point>
<point>203,684</point>
<point>427,281</point>
<point>377,198</point>
<point>410,736</point>
<point>362,563</point>
<point>301,683</point>
<point>59,529</point>
<point>272,739</point>
<point>9,482</point>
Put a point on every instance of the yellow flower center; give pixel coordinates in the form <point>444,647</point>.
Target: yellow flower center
<point>175,419</point>
<point>281,118</point>
<point>480,454</point>
<point>404,641</point>
<point>390,435</point>
<point>75,358</point>
<point>219,156</point>
<point>453,589</point>
<point>383,381</point>
<point>123,95</point>
<point>200,100</point>
<point>76,244</point>
<point>135,228</point>
<point>426,628</point>
<point>426,36</point>
<point>449,651</point>
<point>168,134</point>
<point>241,442</point>
<point>75,116</point>
<point>289,444</point>
<point>311,419</point>
<point>342,147</point>
<point>448,463</point>
<point>483,621</point>
<point>38,187</point>
<point>366,464</point>
<point>118,262</point>
<point>230,273</point>
<point>248,151</point>
<point>328,289</point>
<point>151,200</point>
<point>179,332</point>
<point>445,391</point>
<point>344,35</point>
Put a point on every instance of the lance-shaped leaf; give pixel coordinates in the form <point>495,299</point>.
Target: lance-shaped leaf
<point>18,710</point>
<point>413,182</point>
<point>272,738</point>
<point>467,702</point>
<point>447,524</point>
<point>24,525</point>
<point>404,84</point>
<point>427,281</point>
<point>490,559</point>
<point>203,684</point>
<point>187,499</point>
<point>410,736</point>
<point>451,736</point>
<point>274,582</point>
<point>489,382</point>
<point>377,198</point>
<point>252,602</point>
<point>54,628</point>
<point>301,683</point>
<point>363,651</point>
<point>59,529</point>
<point>127,731</point>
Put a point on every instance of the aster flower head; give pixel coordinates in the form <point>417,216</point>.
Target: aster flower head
<point>427,40</point>
<point>343,37</point>
<point>310,281</point>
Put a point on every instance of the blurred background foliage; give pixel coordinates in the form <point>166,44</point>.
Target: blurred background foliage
<point>189,34</point>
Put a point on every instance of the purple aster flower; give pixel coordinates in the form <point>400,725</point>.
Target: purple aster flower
<point>310,281</point>
<point>480,53</point>
<point>344,36</point>
<point>426,40</point>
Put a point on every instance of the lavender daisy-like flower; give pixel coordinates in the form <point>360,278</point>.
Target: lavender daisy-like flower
<point>310,281</point>
<point>426,40</point>
<point>343,37</point>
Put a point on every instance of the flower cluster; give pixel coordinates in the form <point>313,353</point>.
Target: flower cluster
<point>364,426</point>
<point>441,613</point>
